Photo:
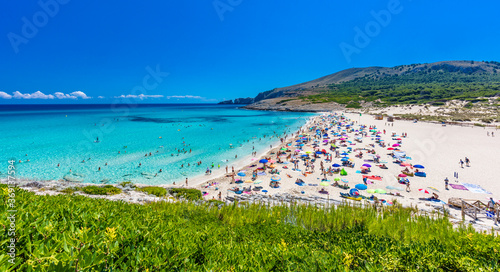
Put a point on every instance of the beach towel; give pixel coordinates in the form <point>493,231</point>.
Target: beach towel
<point>476,188</point>
<point>458,187</point>
<point>373,177</point>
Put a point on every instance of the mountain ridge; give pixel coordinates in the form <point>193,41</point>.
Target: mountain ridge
<point>373,73</point>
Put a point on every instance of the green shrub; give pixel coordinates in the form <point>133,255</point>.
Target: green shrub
<point>70,190</point>
<point>353,105</point>
<point>127,183</point>
<point>105,190</point>
<point>215,201</point>
<point>77,233</point>
<point>152,190</point>
<point>189,194</point>
<point>479,125</point>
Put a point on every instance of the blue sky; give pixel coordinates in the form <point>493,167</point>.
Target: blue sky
<point>71,51</point>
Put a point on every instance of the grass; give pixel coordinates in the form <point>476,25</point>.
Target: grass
<point>152,190</point>
<point>70,190</point>
<point>77,233</point>
<point>127,183</point>
<point>97,190</point>
<point>189,194</point>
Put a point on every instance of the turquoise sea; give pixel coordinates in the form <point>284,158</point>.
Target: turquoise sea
<point>66,135</point>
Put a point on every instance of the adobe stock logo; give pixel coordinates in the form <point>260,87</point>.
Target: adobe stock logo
<point>363,37</point>
<point>40,19</point>
<point>223,6</point>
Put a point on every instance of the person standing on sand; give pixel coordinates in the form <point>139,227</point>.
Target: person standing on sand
<point>461,163</point>
<point>446,183</point>
<point>186,182</point>
<point>467,162</point>
<point>408,186</point>
<point>226,169</point>
<point>491,204</point>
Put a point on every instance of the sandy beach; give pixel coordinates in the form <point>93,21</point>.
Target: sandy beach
<point>438,148</point>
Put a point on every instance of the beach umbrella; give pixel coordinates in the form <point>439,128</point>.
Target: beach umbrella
<point>263,161</point>
<point>257,182</point>
<point>305,155</point>
<point>380,191</point>
<point>434,189</point>
<point>264,191</point>
<point>344,154</point>
<point>354,192</point>
<point>395,145</point>
<point>275,178</point>
<point>390,148</point>
<point>367,165</point>
<point>423,190</point>
<point>241,174</point>
<point>298,141</point>
<point>324,184</point>
<point>370,191</point>
<point>361,186</point>
<point>402,175</point>
<point>419,166</point>
<point>336,165</point>
<point>344,159</point>
<point>336,179</point>
<point>399,139</point>
<point>405,164</point>
<point>364,167</point>
<point>345,181</point>
<point>272,161</point>
<point>248,181</point>
<point>308,152</point>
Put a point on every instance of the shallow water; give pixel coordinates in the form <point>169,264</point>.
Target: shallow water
<point>174,135</point>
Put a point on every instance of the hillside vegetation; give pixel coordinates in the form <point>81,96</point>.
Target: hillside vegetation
<point>435,84</point>
<point>432,83</point>
<point>76,233</point>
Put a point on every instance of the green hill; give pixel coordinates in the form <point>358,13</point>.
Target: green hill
<point>432,83</point>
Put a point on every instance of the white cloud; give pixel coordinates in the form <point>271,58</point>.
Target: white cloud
<point>40,95</point>
<point>185,96</point>
<point>140,96</point>
<point>60,95</point>
<point>5,95</point>
<point>101,97</point>
<point>35,95</point>
<point>80,94</point>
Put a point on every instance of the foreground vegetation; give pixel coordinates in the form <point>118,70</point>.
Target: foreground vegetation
<point>76,233</point>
